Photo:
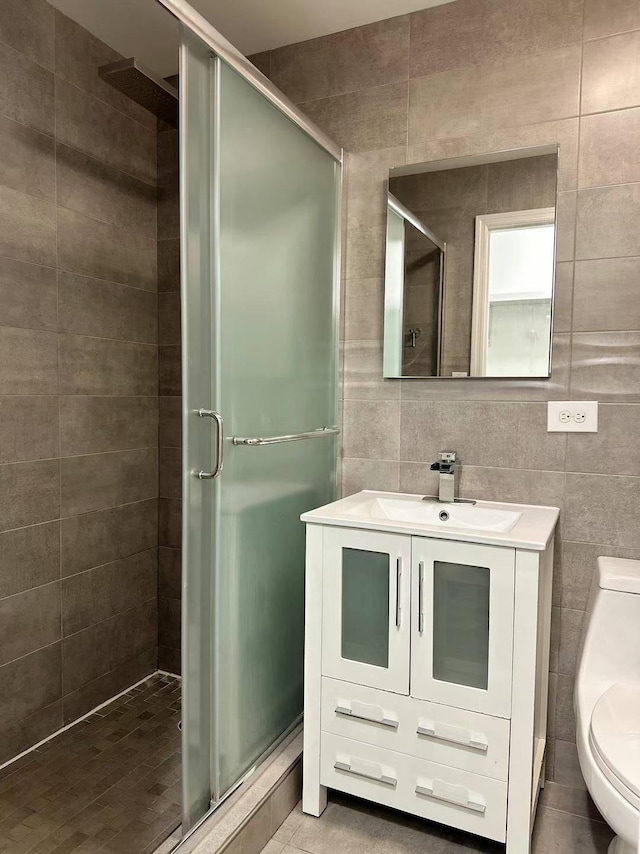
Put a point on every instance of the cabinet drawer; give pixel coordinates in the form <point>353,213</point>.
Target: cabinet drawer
<point>454,737</point>
<point>447,795</point>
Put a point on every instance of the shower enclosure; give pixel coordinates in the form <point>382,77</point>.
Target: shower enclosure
<point>260,236</point>
<point>138,293</point>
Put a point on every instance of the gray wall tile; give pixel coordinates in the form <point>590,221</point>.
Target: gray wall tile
<point>369,474</point>
<point>170,522</point>
<point>516,486</point>
<point>484,98</point>
<point>169,660</point>
<point>168,265</point>
<point>604,365</point>
<point>483,434</point>
<point>93,127</point>
<point>92,307</point>
<point>28,295</point>
<point>99,481</point>
<point>362,121</point>
<point>79,55</point>
<point>90,425</point>
<point>615,443</point>
<point>169,318</point>
<point>363,309</point>
<point>103,536</point>
<point>262,61</point>
<point>362,378</point>
<point>24,733</point>
<point>614,60</point>
<point>27,25</point>
<point>103,192</point>
<point>608,148</point>
<point>606,295</point>
<point>27,91</point>
<point>28,428</point>
<point>170,430</point>
<point>91,694</point>
<point>103,592</point>
<point>170,468</point>
<point>28,228</point>
<point>602,509</point>
<point>28,159</point>
<point>570,633</point>
<point>606,17</point>
<point>567,770</point>
<point>98,366</point>
<point>104,251</point>
<point>169,573</point>
<point>30,683</point>
<point>371,429</point>
<point>109,644</point>
<point>169,623</point>
<point>29,621</point>
<point>343,62</point>
<point>169,370</point>
<point>603,217</point>
<point>169,212</point>
<point>29,493</point>
<point>29,557</point>
<point>470,32</point>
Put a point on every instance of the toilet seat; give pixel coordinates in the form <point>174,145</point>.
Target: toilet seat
<point>614,737</point>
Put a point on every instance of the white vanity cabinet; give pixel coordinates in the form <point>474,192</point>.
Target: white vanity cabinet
<point>426,667</point>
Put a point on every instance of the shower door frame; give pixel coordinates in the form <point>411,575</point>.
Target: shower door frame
<point>198,709</point>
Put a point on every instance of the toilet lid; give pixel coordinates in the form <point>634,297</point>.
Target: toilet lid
<point>615,736</point>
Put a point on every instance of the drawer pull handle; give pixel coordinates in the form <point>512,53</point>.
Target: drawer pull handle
<point>454,734</point>
<point>368,770</point>
<point>421,597</point>
<point>398,582</point>
<point>440,790</point>
<point>366,712</point>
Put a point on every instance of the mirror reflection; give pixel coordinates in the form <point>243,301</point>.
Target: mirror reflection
<point>470,262</point>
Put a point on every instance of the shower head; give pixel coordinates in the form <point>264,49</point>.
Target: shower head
<point>144,87</point>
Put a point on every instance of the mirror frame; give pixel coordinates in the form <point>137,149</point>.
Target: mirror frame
<point>394,245</point>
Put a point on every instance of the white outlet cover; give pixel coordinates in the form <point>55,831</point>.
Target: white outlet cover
<point>584,416</point>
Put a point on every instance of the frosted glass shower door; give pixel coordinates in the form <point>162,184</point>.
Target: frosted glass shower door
<point>276,352</point>
<point>271,320</point>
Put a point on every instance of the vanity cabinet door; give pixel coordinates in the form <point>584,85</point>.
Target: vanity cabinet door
<point>366,608</point>
<point>462,625</point>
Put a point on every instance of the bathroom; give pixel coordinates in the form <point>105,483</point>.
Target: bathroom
<point>149,700</point>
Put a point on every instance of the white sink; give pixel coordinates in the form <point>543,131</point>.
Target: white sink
<point>526,526</point>
<point>433,512</point>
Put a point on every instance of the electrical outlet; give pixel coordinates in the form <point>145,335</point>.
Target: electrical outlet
<point>572,416</point>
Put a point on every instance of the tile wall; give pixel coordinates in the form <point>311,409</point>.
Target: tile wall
<point>78,378</point>
<point>466,78</point>
<point>170,436</point>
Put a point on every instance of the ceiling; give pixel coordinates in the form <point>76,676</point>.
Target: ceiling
<point>143,28</point>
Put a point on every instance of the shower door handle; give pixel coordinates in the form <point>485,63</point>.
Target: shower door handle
<point>210,413</point>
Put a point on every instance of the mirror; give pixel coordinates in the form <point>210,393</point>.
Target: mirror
<point>470,266</point>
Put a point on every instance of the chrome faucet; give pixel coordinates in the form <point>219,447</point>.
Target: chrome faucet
<point>448,467</point>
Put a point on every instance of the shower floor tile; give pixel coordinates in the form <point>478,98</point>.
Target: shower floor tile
<point>111,783</point>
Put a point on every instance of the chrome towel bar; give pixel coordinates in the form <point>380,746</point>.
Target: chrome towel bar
<point>293,437</point>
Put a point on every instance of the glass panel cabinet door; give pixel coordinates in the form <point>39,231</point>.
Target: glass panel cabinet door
<point>365,608</point>
<point>462,632</point>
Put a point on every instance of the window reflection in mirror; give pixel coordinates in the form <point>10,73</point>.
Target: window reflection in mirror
<point>470,262</point>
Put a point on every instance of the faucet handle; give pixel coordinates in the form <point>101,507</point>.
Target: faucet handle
<point>447,456</point>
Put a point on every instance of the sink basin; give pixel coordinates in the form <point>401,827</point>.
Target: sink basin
<point>435,513</point>
<point>526,526</point>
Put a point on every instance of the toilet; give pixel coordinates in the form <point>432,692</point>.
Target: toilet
<point>607,699</point>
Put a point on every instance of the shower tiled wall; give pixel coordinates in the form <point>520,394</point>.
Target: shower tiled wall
<point>466,78</point>
<point>169,555</point>
<point>78,378</point>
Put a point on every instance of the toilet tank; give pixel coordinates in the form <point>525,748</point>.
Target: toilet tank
<point>610,647</point>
